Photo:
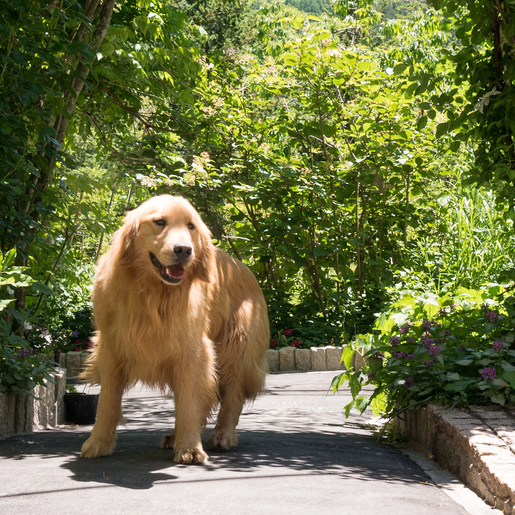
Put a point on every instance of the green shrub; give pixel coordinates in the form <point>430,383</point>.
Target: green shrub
<point>456,350</point>
<point>23,364</point>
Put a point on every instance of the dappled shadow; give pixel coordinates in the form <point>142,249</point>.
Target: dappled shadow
<point>294,430</point>
<point>139,463</point>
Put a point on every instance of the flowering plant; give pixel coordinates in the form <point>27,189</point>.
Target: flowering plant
<point>455,350</point>
<point>75,333</point>
<point>284,339</point>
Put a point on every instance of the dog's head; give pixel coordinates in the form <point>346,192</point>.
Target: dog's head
<point>166,236</point>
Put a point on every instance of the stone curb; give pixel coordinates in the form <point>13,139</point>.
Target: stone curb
<point>74,362</point>
<point>42,408</point>
<point>289,359</point>
<point>477,445</point>
<point>286,359</point>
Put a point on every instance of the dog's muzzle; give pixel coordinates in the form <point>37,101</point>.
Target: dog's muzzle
<point>172,274</point>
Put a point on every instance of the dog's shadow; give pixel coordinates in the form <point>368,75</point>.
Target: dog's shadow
<point>139,463</point>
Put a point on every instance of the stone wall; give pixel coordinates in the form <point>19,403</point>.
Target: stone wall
<point>305,360</point>
<point>467,447</point>
<point>41,408</point>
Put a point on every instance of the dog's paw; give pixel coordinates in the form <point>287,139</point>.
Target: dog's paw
<point>168,441</point>
<point>190,456</point>
<point>223,440</point>
<point>94,448</point>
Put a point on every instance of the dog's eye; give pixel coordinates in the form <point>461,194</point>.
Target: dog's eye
<point>161,222</point>
<point>191,227</point>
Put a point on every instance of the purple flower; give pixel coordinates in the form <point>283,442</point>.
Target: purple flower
<point>409,382</point>
<point>410,340</point>
<point>498,346</point>
<point>405,328</point>
<point>491,315</point>
<point>434,350</point>
<point>394,341</point>
<point>24,353</point>
<point>410,356</point>
<point>427,341</point>
<point>426,324</point>
<point>488,373</point>
<point>400,355</point>
<point>370,375</point>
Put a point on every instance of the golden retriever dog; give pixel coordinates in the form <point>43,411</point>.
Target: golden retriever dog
<point>174,311</point>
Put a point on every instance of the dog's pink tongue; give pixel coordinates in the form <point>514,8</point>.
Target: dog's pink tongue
<point>175,271</point>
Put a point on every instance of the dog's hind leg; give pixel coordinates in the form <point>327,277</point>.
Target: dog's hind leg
<point>224,434</point>
<point>242,369</point>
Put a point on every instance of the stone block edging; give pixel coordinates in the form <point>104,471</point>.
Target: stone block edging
<point>283,360</point>
<point>288,359</point>
<point>41,408</point>
<point>463,444</point>
<point>74,362</point>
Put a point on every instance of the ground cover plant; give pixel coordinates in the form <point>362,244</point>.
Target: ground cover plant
<point>456,350</point>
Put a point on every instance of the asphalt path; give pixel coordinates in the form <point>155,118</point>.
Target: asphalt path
<point>297,454</point>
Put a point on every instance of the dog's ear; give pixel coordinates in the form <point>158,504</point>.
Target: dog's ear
<point>206,259</point>
<point>122,249</point>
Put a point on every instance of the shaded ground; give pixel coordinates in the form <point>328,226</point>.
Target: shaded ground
<point>297,454</point>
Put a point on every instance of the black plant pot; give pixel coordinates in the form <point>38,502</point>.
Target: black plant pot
<point>80,408</point>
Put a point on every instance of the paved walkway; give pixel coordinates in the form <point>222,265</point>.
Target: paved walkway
<point>297,454</point>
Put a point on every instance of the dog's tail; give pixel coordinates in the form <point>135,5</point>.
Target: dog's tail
<point>91,373</point>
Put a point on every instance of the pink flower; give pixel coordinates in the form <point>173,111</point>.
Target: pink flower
<point>492,315</point>
<point>498,346</point>
<point>488,374</point>
<point>287,332</point>
<point>272,343</point>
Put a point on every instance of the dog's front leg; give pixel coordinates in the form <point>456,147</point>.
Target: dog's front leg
<point>194,389</point>
<point>109,414</point>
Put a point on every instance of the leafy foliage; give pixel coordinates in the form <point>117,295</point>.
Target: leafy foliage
<point>315,148</point>
<point>21,368</point>
<point>481,107</point>
<point>455,349</point>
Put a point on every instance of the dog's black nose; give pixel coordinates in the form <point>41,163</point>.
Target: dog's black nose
<point>182,250</point>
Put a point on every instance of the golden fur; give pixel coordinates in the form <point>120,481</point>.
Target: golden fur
<point>174,311</point>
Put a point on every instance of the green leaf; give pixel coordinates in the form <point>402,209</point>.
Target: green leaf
<point>8,259</point>
<point>5,303</point>
<point>510,377</point>
<point>421,122</point>
<point>498,399</point>
<point>455,145</point>
<point>347,355</point>
<point>399,69</point>
<point>42,288</point>
<point>442,129</point>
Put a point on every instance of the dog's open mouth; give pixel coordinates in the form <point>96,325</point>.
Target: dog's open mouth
<point>172,274</point>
